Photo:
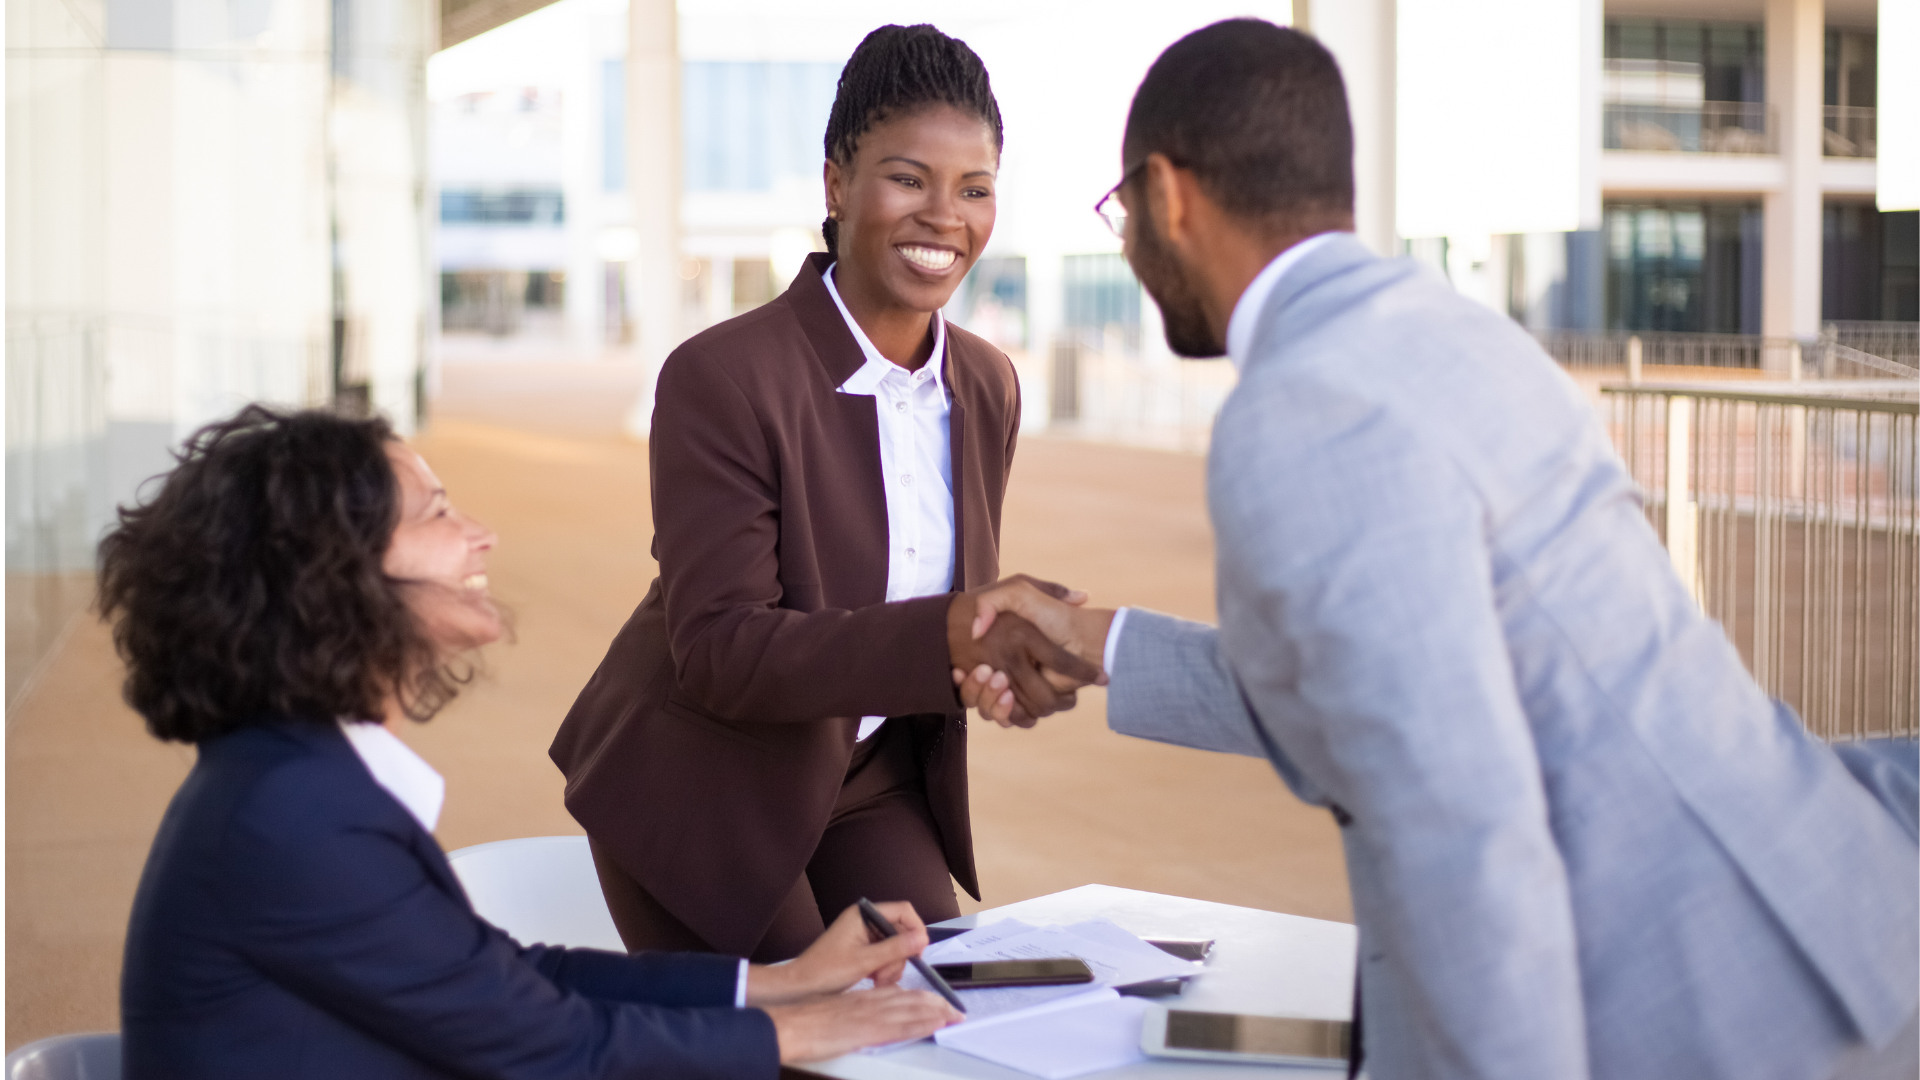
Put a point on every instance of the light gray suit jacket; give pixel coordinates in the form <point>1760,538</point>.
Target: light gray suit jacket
<point>1581,840</point>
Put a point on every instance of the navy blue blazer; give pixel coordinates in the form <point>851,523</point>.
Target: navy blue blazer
<point>294,920</point>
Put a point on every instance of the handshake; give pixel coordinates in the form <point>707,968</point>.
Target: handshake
<point>1022,647</point>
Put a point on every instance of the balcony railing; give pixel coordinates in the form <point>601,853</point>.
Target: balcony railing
<point>1792,512</point>
<point>1708,127</point>
<point>1844,350</point>
<point>1896,341</point>
<point>1851,132</point>
<point>1628,348</point>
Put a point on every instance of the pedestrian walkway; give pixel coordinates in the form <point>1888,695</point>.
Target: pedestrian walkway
<point>535,452</point>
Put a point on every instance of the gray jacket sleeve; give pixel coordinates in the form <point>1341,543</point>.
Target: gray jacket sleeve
<point>1171,683</point>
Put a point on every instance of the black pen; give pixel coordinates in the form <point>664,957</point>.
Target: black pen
<point>879,924</point>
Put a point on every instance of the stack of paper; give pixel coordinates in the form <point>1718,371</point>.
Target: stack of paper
<point>1054,1031</point>
<point>1060,1039</point>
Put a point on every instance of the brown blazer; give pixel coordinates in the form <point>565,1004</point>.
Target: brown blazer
<point>706,752</point>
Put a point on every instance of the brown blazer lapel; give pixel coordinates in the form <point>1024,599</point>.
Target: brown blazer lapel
<point>839,355</point>
<point>957,425</point>
<point>827,334</point>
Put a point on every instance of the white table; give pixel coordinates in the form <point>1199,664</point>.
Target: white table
<point>1263,963</point>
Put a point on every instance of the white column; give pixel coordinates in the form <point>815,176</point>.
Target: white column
<point>1683,516</point>
<point>1790,277</point>
<point>1046,312</point>
<point>585,298</point>
<point>1360,34</point>
<point>1898,167</point>
<point>653,183</point>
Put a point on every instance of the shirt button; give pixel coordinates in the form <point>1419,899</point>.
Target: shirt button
<point>907,479</point>
<point>910,553</point>
<point>899,406</point>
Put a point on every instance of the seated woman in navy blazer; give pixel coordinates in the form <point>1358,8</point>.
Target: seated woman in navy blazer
<point>299,582</point>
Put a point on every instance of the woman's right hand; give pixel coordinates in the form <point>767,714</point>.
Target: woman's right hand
<point>840,1024</point>
<point>841,957</point>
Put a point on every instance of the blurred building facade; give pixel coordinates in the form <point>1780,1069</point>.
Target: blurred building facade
<point>216,201</point>
<point>1740,149</point>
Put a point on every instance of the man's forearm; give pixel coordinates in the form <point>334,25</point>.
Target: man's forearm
<point>1170,682</point>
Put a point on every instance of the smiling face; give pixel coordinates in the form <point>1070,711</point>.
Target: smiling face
<point>915,207</point>
<point>439,557</point>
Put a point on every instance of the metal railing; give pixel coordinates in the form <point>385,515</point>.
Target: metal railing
<point>1792,512</point>
<point>1896,341</point>
<point>1626,348</point>
<point>1851,131</point>
<point>1856,350</point>
<point>1709,127</point>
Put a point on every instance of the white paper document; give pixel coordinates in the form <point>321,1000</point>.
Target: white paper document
<point>1070,1037</point>
<point>1054,1031</point>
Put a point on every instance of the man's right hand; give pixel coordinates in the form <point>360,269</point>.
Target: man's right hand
<point>1035,671</point>
<point>1081,630</point>
<point>843,1023</point>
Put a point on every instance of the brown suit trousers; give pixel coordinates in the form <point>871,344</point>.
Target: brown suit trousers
<point>881,843</point>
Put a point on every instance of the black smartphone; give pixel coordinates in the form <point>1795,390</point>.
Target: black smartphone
<point>993,973</point>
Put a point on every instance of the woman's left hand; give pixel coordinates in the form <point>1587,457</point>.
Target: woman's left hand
<point>842,956</point>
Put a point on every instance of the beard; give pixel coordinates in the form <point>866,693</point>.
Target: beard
<point>1170,284</point>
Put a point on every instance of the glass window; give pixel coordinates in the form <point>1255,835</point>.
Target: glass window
<point>993,301</point>
<point>1101,292</point>
<point>1684,61</point>
<point>747,126</point>
<point>1868,266</point>
<point>526,206</point>
<point>1690,267</point>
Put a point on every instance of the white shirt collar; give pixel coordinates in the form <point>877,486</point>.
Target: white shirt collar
<point>410,780</point>
<point>877,366</point>
<point>1246,313</point>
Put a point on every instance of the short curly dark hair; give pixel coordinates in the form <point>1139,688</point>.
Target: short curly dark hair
<point>250,587</point>
<point>897,69</point>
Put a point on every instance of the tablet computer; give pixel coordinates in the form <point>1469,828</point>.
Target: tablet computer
<point>1276,1040</point>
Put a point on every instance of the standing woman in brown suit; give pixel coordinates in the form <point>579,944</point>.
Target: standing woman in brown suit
<point>775,733</point>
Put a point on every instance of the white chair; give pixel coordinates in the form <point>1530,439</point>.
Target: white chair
<point>93,1056</point>
<point>542,890</point>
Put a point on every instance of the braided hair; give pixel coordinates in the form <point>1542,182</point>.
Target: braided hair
<point>897,69</point>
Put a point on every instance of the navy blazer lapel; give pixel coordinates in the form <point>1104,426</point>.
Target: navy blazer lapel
<point>327,740</point>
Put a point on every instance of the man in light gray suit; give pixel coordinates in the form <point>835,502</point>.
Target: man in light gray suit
<point>1581,840</point>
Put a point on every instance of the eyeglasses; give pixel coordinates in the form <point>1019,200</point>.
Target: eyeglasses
<point>1111,209</point>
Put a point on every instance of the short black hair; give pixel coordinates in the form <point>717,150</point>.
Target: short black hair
<point>898,69</point>
<point>1258,112</point>
<point>250,587</point>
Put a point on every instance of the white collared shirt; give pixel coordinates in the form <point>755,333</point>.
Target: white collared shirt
<point>916,464</point>
<point>1240,327</point>
<point>421,789</point>
<point>404,774</point>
